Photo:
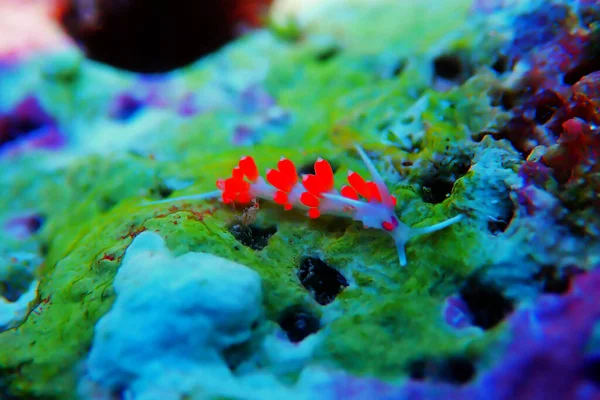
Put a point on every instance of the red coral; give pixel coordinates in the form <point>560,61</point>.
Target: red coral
<point>578,147</point>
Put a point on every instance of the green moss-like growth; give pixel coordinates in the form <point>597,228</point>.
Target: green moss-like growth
<point>388,315</point>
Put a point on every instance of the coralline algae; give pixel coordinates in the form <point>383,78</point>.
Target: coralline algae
<point>487,108</point>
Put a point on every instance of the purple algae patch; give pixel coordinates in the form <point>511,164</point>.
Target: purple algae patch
<point>22,227</point>
<point>456,313</point>
<point>539,27</point>
<point>28,126</point>
<point>125,107</point>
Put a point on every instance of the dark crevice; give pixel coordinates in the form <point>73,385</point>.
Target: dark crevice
<point>487,304</point>
<point>162,191</point>
<point>547,102</point>
<point>454,369</point>
<point>26,118</point>
<point>150,36</point>
<point>453,67</point>
<point>448,66</point>
<point>500,65</point>
<point>323,281</point>
<point>556,281</point>
<point>298,322</point>
<point>255,237</point>
<point>581,70</point>
<point>399,67</point>
<point>499,225</point>
<point>328,54</point>
<point>105,203</point>
<point>591,369</point>
<point>437,188</point>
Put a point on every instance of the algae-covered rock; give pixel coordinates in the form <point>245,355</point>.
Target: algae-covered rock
<point>487,110</point>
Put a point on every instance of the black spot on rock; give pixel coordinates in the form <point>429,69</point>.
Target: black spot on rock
<point>454,369</point>
<point>252,236</point>
<point>161,191</point>
<point>297,322</point>
<point>328,53</point>
<point>436,190</point>
<point>438,184</point>
<point>546,103</point>
<point>500,65</point>
<point>323,281</point>
<point>487,304</point>
<point>10,292</point>
<point>398,67</point>
<point>499,225</point>
<point>457,369</point>
<point>556,281</point>
<point>448,66</point>
<point>417,369</point>
<point>591,369</point>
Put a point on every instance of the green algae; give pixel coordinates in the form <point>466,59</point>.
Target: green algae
<point>388,316</point>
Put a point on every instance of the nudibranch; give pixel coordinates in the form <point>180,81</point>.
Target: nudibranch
<point>369,202</point>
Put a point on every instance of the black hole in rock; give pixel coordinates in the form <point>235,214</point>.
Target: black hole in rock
<point>457,369</point>
<point>591,369</point>
<point>499,225</point>
<point>417,369</point>
<point>500,65</point>
<point>10,292</point>
<point>328,54</point>
<point>125,107</point>
<point>436,190</point>
<point>297,322</point>
<point>36,223</point>
<point>554,280</point>
<point>478,137</point>
<point>151,36</point>
<point>309,168</point>
<point>323,281</point>
<point>383,125</point>
<point>454,369</point>
<point>448,66</point>
<point>27,117</point>
<point>487,305</point>
<point>399,67</point>
<point>252,236</point>
<point>161,190</point>
<point>581,70</point>
<point>507,100</point>
<point>105,203</point>
<point>236,354</point>
<point>44,248</point>
<point>546,104</point>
